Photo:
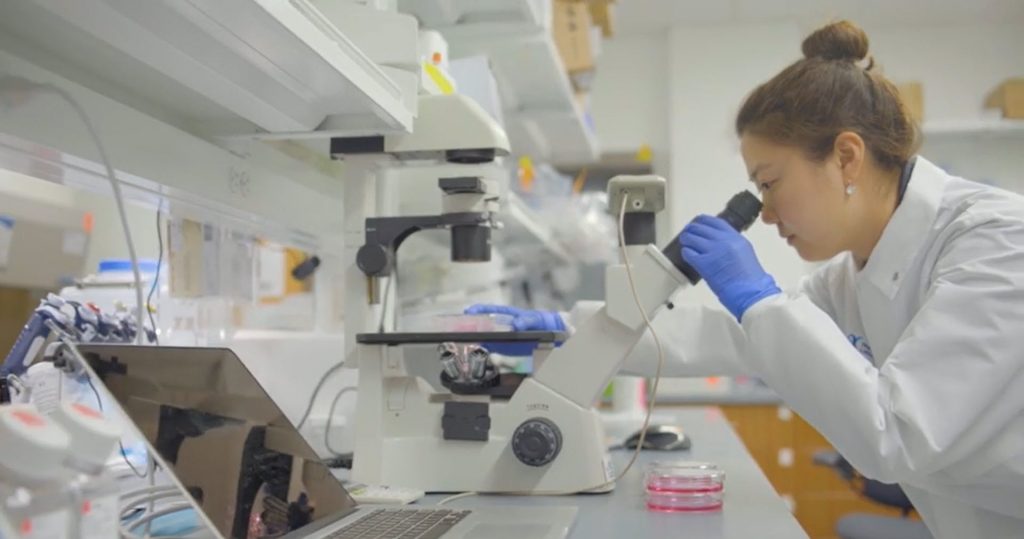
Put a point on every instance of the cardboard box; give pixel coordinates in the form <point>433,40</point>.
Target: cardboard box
<point>603,14</point>
<point>1008,96</point>
<point>570,27</point>
<point>912,94</point>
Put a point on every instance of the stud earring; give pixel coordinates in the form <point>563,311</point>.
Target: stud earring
<point>850,190</point>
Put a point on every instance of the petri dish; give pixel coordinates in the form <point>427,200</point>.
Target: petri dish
<point>684,486</point>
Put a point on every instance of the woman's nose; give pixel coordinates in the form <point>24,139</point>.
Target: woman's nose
<point>768,215</point>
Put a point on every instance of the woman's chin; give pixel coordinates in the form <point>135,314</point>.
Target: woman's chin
<point>809,253</point>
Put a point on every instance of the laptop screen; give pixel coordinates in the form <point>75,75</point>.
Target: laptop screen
<point>245,465</point>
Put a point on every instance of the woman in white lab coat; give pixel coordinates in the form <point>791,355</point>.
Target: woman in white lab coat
<point>906,348</point>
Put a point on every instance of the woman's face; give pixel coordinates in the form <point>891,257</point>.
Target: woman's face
<point>803,199</point>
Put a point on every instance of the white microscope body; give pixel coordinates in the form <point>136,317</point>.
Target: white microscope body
<point>546,437</point>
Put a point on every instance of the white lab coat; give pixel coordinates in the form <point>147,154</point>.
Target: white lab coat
<point>912,367</point>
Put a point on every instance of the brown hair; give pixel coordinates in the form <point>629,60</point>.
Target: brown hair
<point>825,93</point>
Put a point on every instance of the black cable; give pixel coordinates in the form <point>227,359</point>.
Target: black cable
<point>156,278</point>
<point>124,455</point>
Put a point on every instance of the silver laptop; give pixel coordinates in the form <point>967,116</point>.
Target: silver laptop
<point>249,470</point>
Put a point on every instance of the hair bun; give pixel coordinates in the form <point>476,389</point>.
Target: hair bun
<point>841,40</point>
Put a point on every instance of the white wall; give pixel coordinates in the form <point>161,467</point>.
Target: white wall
<point>108,239</point>
<point>958,68</point>
<point>958,65</point>
<point>629,101</point>
<point>711,70</point>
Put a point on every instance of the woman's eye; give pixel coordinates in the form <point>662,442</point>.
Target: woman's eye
<point>764,186</point>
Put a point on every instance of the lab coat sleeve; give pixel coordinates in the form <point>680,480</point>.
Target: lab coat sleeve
<point>697,341</point>
<point>950,386</point>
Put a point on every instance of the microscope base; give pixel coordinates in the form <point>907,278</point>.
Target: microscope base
<point>404,446</point>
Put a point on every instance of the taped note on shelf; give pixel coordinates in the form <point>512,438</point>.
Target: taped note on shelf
<point>270,278</point>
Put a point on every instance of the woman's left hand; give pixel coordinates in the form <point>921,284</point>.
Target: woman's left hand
<point>726,260</point>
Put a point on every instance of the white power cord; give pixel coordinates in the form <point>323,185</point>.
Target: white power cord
<point>459,496</point>
<point>149,496</point>
<point>654,387</point>
<point>10,82</point>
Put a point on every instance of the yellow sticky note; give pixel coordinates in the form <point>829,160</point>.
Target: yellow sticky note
<point>526,174</point>
<point>644,154</point>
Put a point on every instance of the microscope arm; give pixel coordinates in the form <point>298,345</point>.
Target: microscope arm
<point>581,368</point>
<point>698,340</point>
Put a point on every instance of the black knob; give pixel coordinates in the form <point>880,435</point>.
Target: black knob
<point>374,260</point>
<point>537,441</point>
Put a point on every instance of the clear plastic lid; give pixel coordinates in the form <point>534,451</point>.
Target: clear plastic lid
<point>684,477</point>
<point>457,323</point>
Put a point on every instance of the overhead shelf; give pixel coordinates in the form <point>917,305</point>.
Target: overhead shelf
<point>274,64</point>
<point>444,13</point>
<point>542,116</point>
<point>541,113</point>
<point>980,127</point>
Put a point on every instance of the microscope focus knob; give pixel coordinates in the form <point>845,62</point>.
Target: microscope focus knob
<point>537,441</point>
<point>374,260</point>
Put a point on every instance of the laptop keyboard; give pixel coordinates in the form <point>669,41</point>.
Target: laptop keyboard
<point>401,524</point>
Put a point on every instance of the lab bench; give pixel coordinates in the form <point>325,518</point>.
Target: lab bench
<point>752,507</point>
<point>753,396</point>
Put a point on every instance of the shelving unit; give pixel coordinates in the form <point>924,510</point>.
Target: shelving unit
<point>268,65</point>
<point>446,13</point>
<point>981,127</point>
<point>542,117</point>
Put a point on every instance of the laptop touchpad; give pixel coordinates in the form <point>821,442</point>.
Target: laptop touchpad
<point>507,531</point>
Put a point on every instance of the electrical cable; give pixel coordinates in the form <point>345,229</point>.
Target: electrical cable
<point>120,444</point>
<point>454,497</point>
<point>316,391</point>
<point>156,278</point>
<point>330,417</point>
<point>335,368</point>
<point>71,347</point>
<point>148,519</point>
<point>146,495</point>
<point>654,387</point>
<point>115,184</point>
<point>384,307</point>
<point>144,492</point>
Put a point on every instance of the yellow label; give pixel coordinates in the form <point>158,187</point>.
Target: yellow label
<point>438,77</point>
<point>526,174</point>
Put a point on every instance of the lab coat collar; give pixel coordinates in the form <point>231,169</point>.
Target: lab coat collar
<point>910,223</point>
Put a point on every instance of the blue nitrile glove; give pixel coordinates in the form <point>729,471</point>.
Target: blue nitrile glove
<point>522,320</point>
<point>726,260</point>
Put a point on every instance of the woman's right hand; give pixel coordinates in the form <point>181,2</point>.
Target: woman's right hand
<point>522,320</point>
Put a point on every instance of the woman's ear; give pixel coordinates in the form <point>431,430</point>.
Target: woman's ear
<point>849,148</point>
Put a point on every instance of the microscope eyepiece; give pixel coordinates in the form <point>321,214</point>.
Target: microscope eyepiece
<point>740,212</point>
